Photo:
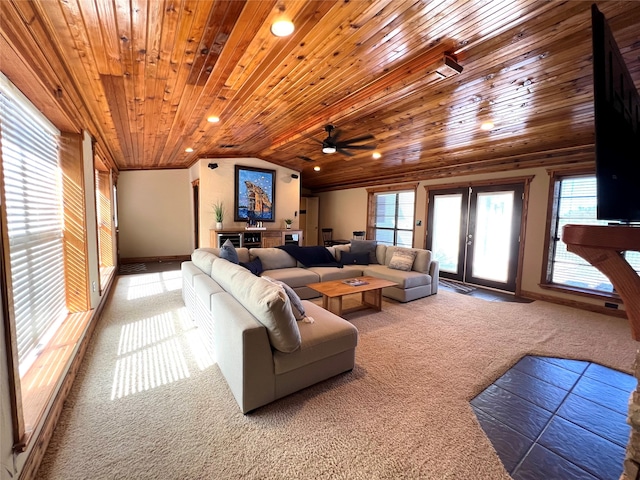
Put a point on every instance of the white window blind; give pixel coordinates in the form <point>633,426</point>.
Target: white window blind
<point>32,184</point>
<point>576,204</point>
<point>394,218</point>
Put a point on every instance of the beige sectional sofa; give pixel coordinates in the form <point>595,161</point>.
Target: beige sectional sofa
<point>248,324</point>
<point>249,328</point>
<point>420,281</point>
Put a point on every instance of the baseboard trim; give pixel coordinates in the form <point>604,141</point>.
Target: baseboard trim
<point>574,303</point>
<point>43,437</point>
<point>171,258</point>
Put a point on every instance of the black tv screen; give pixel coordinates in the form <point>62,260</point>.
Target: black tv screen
<point>617,128</point>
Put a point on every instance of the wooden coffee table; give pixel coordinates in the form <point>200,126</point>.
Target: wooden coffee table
<point>371,293</point>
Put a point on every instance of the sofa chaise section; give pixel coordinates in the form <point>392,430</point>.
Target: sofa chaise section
<point>263,353</point>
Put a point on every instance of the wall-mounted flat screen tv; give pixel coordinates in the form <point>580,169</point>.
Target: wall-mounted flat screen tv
<point>617,128</point>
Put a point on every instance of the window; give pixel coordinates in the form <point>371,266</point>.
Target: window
<point>33,194</point>
<point>391,216</point>
<point>574,202</point>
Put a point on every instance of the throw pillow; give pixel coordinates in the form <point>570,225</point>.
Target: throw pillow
<point>296,304</point>
<point>254,266</point>
<point>349,258</point>
<point>228,252</point>
<point>402,259</point>
<point>369,246</point>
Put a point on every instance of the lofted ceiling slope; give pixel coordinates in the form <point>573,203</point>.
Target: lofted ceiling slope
<point>148,73</point>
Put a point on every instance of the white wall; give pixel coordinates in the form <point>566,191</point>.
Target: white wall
<point>218,185</point>
<point>154,213</point>
<point>344,210</point>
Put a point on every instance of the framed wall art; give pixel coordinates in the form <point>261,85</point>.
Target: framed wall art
<point>255,194</point>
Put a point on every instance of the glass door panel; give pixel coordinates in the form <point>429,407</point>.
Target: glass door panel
<point>447,228</point>
<point>492,236</point>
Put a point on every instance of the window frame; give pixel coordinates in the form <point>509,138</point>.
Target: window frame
<point>555,177</point>
<point>372,207</point>
<point>33,411</point>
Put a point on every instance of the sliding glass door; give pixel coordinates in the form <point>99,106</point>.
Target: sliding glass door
<point>474,233</point>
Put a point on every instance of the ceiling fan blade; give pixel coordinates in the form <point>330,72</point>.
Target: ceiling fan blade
<point>361,138</point>
<point>344,152</point>
<point>357,147</point>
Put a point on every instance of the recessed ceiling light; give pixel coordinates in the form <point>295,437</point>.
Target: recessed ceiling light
<point>188,150</point>
<point>376,155</point>
<point>282,28</point>
<point>213,119</point>
<point>487,126</point>
<point>316,168</point>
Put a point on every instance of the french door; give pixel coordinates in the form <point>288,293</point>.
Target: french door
<point>474,233</point>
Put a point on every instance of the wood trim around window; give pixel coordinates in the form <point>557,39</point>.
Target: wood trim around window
<point>11,346</point>
<point>75,239</point>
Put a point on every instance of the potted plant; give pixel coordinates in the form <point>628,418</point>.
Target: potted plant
<point>288,222</point>
<point>218,211</point>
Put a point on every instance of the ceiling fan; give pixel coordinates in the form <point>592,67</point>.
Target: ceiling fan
<point>332,144</point>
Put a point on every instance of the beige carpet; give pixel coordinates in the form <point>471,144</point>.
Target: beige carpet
<point>149,404</point>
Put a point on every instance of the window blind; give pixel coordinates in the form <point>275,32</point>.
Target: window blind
<point>394,218</point>
<point>576,204</point>
<point>33,203</point>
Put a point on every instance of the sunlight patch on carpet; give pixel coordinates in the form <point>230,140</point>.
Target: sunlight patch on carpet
<point>147,331</point>
<point>152,284</point>
<point>198,350</point>
<point>150,368</point>
<point>196,338</point>
<point>150,355</point>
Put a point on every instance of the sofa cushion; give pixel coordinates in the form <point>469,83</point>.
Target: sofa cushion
<point>422,263</point>
<point>369,246</point>
<point>203,259</point>
<point>266,301</point>
<point>228,252</point>
<point>402,259</point>
<point>254,266</point>
<point>294,277</point>
<point>273,258</point>
<point>403,279</point>
<point>333,273</point>
<point>205,286</point>
<point>243,252</point>
<point>328,335</point>
<point>190,271</point>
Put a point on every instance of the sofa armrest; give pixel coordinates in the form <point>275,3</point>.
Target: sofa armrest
<point>243,353</point>
<point>434,271</point>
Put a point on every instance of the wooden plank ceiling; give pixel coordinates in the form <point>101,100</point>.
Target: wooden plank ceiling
<point>150,72</point>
